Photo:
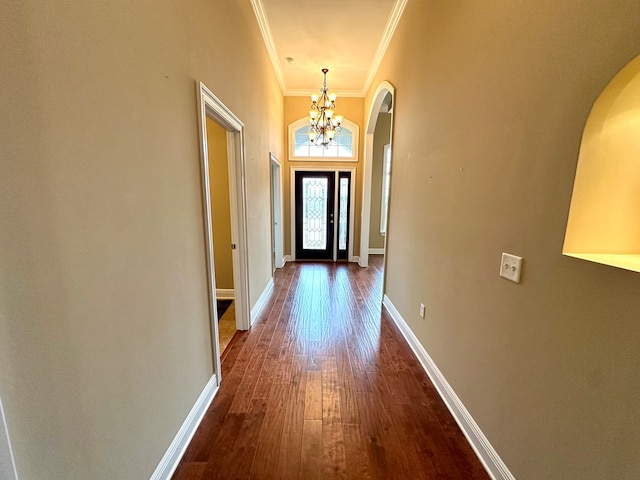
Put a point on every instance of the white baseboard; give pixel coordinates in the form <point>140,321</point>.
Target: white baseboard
<point>286,258</point>
<point>225,293</point>
<point>355,259</point>
<point>478,441</point>
<point>262,301</point>
<point>376,251</point>
<point>7,462</point>
<point>176,450</point>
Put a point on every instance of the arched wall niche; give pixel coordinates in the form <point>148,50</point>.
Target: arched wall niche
<point>604,219</point>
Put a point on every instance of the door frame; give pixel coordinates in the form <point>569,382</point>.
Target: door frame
<point>277,211</point>
<point>352,193</point>
<point>7,461</point>
<point>383,89</point>
<point>210,106</point>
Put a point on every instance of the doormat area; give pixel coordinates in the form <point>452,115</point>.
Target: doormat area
<point>222,307</point>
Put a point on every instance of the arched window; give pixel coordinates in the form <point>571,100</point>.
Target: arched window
<point>343,148</point>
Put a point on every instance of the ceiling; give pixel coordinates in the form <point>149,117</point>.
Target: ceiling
<point>350,40</point>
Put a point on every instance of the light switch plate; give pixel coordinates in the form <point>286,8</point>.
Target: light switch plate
<point>511,267</point>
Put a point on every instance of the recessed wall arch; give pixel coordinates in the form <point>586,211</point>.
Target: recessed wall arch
<point>603,222</point>
<point>384,88</point>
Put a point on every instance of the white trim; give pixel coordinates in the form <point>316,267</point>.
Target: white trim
<point>478,441</point>
<point>304,121</point>
<point>210,106</point>
<point>367,159</point>
<point>174,453</point>
<point>262,302</point>
<point>292,189</point>
<point>225,293</point>
<point>263,22</point>
<point>265,29</point>
<point>355,259</point>
<point>389,30</point>
<point>286,258</point>
<point>376,251</point>
<point>7,461</point>
<point>277,211</point>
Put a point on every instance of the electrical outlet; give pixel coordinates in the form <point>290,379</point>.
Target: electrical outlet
<point>422,309</point>
<point>511,267</point>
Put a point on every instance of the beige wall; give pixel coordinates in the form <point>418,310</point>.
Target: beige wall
<point>104,324</point>
<point>381,137</point>
<point>220,206</point>
<point>491,102</point>
<point>296,108</point>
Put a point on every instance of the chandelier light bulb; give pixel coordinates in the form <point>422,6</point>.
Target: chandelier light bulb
<point>314,97</point>
<point>332,96</point>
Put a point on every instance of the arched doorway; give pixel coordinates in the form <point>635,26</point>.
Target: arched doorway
<point>377,173</point>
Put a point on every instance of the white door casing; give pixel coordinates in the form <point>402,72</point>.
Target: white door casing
<point>277,211</point>
<point>211,107</point>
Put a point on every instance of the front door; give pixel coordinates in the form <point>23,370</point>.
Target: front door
<point>314,200</point>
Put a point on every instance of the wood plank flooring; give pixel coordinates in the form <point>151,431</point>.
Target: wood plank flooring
<point>324,386</point>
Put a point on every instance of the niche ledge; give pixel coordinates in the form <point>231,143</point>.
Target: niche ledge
<point>619,260</point>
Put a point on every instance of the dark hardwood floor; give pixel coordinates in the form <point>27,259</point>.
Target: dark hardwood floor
<point>325,386</point>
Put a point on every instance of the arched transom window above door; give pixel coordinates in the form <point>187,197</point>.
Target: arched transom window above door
<point>344,147</point>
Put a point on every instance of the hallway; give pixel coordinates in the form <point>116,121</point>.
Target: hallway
<point>322,388</point>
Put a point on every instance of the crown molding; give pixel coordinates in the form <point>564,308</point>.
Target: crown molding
<point>261,16</point>
<point>389,30</point>
<point>392,23</point>
<point>339,93</point>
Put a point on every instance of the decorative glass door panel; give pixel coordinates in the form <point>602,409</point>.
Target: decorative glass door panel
<point>314,200</point>
<point>314,213</point>
<point>344,205</point>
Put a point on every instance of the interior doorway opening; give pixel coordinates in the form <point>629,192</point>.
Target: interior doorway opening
<point>221,229</point>
<point>378,160</point>
<point>222,145</point>
<point>277,235</point>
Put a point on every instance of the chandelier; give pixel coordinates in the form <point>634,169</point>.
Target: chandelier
<point>323,122</point>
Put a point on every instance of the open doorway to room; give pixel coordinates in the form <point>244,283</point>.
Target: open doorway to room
<point>224,207</point>
<point>380,184</point>
<point>377,181</point>
<point>221,226</point>
<point>277,246</point>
